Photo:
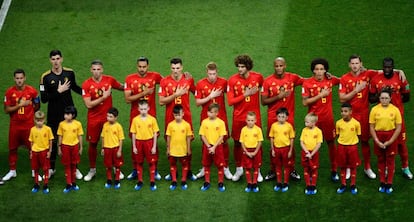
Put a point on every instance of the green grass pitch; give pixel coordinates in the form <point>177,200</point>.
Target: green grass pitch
<point>117,32</point>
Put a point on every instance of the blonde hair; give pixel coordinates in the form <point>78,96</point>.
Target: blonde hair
<point>312,117</point>
<point>39,115</point>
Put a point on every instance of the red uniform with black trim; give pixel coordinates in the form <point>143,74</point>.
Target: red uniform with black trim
<point>398,87</point>
<point>168,86</point>
<point>21,121</point>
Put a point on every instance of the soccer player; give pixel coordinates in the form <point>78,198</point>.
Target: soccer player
<point>211,90</point>
<point>385,126</point>
<point>56,85</point>
<point>20,102</point>
<point>243,94</point>
<point>281,136</point>
<point>141,86</point>
<point>175,90</point>
<point>179,135</point>
<point>112,138</point>
<point>317,96</point>
<point>251,138</point>
<point>97,96</point>
<point>40,138</point>
<point>212,132</point>
<point>70,146</point>
<point>348,130</point>
<point>400,95</point>
<point>145,131</point>
<point>279,91</point>
<point>311,139</point>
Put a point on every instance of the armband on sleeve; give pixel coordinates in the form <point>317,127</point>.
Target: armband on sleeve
<point>36,100</point>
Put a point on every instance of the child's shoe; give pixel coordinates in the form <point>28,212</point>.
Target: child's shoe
<point>138,186</point>
<point>221,187</point>
<point>67,189</point>
<point>117,185</point>
<point>285,187</point>
<point>248,188</point>
<point>255,188</point>
<point>277,187</point>
<point>45,189</point>
<point>173,185</point>
<point>184,185</point>
<point>153,187</point>
<point>35,188</point>
<point>75,187</point>
<point>354,190</point>
<point>205,186</point>
<point>108,184</point>
<point>341,189</point>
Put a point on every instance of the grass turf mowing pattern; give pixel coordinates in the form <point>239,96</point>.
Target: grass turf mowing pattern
<point>201,31</point>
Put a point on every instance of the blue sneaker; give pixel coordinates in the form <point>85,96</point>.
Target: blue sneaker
<point>35,188</point>
<point>277,187</point>
<point>138,186</point>
<point>173,186</point>
<point>248,188</point>
<point>153,187</point>
<point>255,188</point>
<point>221,187</point>
<point>389,190</point>
<point>308,191</point>
<point>341,189</point>
<point>117,186</point>
<point>205,186</point>
<point>46,190</point>
<point>334,176</point>
<point>314,191</point>
<point>381,189</point>
<point>168,177</point>
<point>354,190</point>
<point>184,186</point>
<point>75,187</point>
<point>285,187</point>
<point>133,175</point>
<point>191,176</point>
<point>67,189</point>
<point>157,175</point>
<point>108,185</point>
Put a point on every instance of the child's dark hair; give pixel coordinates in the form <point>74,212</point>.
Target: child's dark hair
<point>213,106</point>
<point>346,105</point>
<point>71,110</point>
<point>177,109</point>
<point>113,111</point>
<point>143,102</point>
<point>282,110</point>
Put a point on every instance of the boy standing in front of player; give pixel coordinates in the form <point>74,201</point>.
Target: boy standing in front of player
<point>40,138</point>
<point>144,131</point>
<point>251,139</point>
<point>212,132</point>
<point>348,130</point>
<point>70,146</point>
<point>112,137</point>
<point>179,136</point>
<point>281,136</point>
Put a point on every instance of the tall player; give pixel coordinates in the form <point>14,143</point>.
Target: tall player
<point>243,93</point>
<point>400,95</point>
<point>317,96</point>
<point>56,85</point>
<point>279,91</point>
<point>96,93</point>
<point>141,86</point>
<point>175,89</point>
<point>20,102</point>
<point>211,90</point>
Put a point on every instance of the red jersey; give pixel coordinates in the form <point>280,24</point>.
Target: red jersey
<point>24,116</point>
<point>312,87</point>
<point>235,95</point>
<point>203,89</point>
<point>168,86</point>
<point>136,83</point>
<point>94,90</point>
<point>397,86</point>
<point>360,102</point>
<point>272,86</point>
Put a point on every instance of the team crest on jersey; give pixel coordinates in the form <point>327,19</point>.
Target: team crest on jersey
<point>65,79</point>
<point>99,92</point>
<point>52,82</point>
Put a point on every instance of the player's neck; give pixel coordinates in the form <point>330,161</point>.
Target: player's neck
<point>347,119</point>
<point>57,70</point>
<point>212,118</point>
<point>143,116</point>
<point>69,120</point>
<point>21,88</point>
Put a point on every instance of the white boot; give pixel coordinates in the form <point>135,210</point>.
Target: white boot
<point>237,174</point>
<point>91,174</point>
<point>200,174</point>
<point>227,173</point>
<point>259,177</point>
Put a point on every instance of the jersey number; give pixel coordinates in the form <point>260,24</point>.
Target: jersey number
<point>323,100</point>
<point>359,95</point>
<point>20,111</point>
<point>247,99</point>
<point>178,100</point>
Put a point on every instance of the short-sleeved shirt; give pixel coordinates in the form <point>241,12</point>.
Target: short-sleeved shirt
<point>144,129</point>
<point>272,86</point>
<point>281,134</point>
<point>385,118</point>
<point>40,137</point>
<point>397,86</point>
<point>311,137</point>
<point>311,88</point>
<point>236,88</point>
<point>178,133</point>
<point>70,132</point>
<point>23,117</point>
<point>250,137</point>
<point>112,134</point>
<point>94,90</point>
<point>168,86</point>
<point>203,90</point>
<point>348,131</point>
<point>136,84</point>
<point>212,129</point>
